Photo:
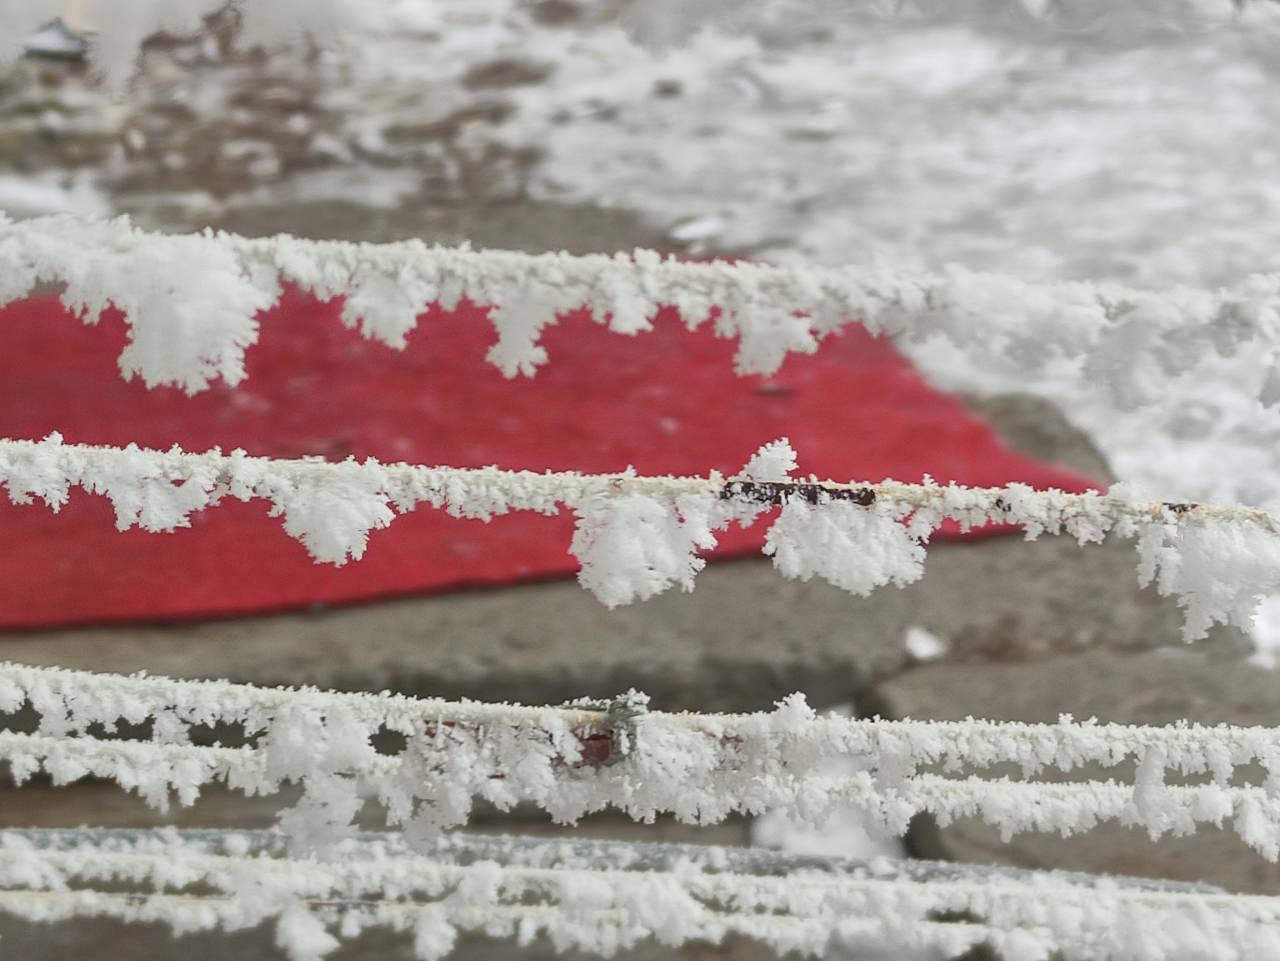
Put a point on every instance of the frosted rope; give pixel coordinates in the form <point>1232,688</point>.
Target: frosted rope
<point>1013,807</point>
<point>574,851</point>
<point>1133,342</point>
<point>573,762</point>
<point>73,701</point>
<point>303,928</point>
<point>1049,911</point>
<point>638,536</point>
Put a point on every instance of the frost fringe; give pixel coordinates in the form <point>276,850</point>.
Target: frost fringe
<point>571,761</point>
<point>1131,341</point>
<point>600,904</point>
<point>638,536</point>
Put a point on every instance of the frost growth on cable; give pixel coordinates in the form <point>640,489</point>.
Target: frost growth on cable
<point>637,536</point>
<point>606,897</point>
<point>574,761</point>
<point>1131,342</point>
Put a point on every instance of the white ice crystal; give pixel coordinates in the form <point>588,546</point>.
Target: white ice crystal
<point>853,547</point>
<point>1220,572</point>
<point>633,546</point>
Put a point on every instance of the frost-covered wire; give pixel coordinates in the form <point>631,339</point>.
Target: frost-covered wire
<point>572,761</point>
<point>190,333</point>
<point>305,930</point>
<point>334,795</point>
<point>570,851</point>
<point>72,702</point>
<point>1025,915</point>
<point>637,536</point>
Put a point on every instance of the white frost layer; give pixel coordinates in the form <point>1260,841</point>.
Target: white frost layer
<point>1132,342</point>
<point>638,536</point>
<point>573,761</point>
<point>604,908</point>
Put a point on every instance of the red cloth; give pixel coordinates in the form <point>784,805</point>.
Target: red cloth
<point>664,402</point>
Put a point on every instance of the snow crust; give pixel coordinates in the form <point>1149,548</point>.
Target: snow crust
<point>637,536</point>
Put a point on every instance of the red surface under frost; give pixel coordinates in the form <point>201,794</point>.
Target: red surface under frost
<point>664,402</point>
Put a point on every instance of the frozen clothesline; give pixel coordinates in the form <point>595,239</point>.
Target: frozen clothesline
<point>615,887</point>
<point>637,536</point>
<point>333,793</point>
<point>701,768</point>
<point>1131,341</point>
<point>72,702</point>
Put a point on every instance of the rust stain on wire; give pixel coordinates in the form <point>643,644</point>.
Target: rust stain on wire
<point>778,493</point>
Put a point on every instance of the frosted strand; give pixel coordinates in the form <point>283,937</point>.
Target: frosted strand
<point>1044,913</point>
<point>306,930</point>
<point>70,701</point>
<point>167,860</point>
<point>569,851</point>
<point>444,782</point>
<point>637,536</point>
<point>1132,342</point>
